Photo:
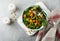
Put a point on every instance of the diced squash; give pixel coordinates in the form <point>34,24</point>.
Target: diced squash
<point>39,16</point>
<point>31,20</point>
<point>31,14</point>
<point>24,16</point>
<point>36,21</point>
<point>30,11</point>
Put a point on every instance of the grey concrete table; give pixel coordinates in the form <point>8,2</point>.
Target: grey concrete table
<point>14,32</point>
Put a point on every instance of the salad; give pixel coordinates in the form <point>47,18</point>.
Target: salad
<point>34,17</point>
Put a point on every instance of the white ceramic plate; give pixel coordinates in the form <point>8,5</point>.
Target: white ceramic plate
<point>20,22</point>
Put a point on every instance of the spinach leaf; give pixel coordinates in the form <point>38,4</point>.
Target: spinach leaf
<point>44,23</point>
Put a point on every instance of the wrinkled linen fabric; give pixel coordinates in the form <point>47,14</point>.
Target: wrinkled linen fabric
<point>54,17</point>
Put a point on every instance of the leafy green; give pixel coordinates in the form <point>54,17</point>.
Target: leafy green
<point>37,27</point>
<point>27,13</point>
<point>29,8</point>
<point>35,7</point>
<point>27,19</point>
<point>41,19</point>
<point>44,23</point>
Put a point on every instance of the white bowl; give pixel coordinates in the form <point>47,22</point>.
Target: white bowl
<point>20,21</point>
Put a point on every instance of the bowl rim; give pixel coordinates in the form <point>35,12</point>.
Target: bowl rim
<point>25,10</point>
<point>43,7</point>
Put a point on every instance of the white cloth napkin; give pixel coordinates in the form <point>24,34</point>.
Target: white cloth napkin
<point>50,35</point>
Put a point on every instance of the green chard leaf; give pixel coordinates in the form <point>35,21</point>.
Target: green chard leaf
<point>44,23</point>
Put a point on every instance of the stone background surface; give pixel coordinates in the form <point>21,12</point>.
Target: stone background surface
<point>14,32</point>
